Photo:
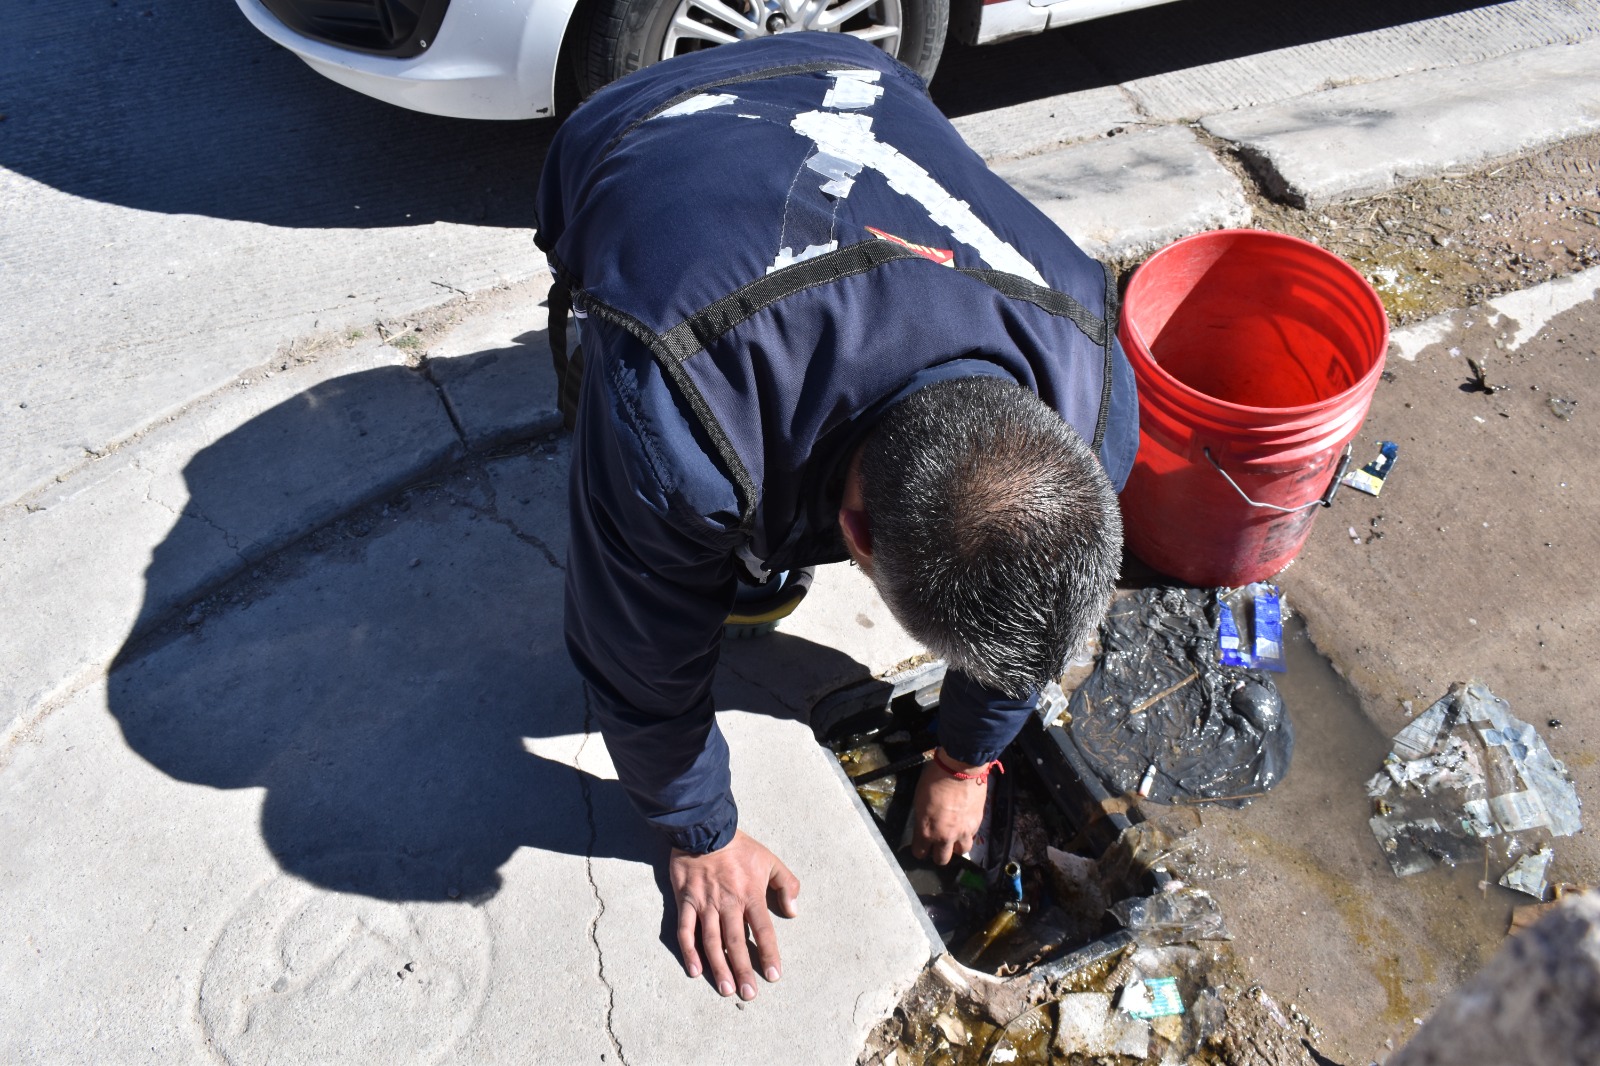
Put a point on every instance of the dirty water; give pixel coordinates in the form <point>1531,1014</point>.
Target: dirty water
<point>1374,949</point>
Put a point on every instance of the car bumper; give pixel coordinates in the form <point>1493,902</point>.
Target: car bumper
<point>492,59</point>
<point>1001,20</point>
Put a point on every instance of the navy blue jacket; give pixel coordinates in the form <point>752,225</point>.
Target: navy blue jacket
<point>766,245</point>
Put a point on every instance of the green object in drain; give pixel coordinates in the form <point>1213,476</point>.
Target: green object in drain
<point>971,879</point>
<point>1154,998</point>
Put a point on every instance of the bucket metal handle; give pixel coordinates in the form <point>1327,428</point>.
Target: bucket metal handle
<point>1325,500</point>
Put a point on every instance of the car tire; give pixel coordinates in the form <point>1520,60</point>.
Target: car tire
<point>617,37</point>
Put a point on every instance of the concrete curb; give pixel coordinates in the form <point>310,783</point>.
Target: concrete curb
<point>1133,193</point>
<point>1365,139</point>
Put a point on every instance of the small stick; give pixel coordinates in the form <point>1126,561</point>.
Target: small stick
<point>1163,694</point>
<point>1189,801</point>
<point>866,777</point>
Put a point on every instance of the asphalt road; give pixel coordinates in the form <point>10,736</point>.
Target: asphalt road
<point>181,200</point>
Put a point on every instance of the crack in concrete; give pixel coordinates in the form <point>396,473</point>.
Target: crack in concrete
<point>230,539</point>
<point>530,540</point>
<point>588,868</point>
<point>761,687</point>
<point>189,510</point>
<point>444,401</point>
<point>492,513</point>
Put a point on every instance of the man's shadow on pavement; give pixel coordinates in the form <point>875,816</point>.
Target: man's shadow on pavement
<point>396,683</point>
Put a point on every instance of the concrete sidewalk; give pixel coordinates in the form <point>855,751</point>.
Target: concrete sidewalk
<point>292,760</point>
<point>348,806</point>
<point>356,813</point>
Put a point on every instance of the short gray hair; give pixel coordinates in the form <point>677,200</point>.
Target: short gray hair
<point>996,535</point>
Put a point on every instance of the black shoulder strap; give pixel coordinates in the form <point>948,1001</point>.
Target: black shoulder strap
<point>560,303</point>
<point>1110,330</point>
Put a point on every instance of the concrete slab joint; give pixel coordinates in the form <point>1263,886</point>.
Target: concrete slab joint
<point>1364,139</point>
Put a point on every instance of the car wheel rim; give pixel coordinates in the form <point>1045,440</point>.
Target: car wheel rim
<point>698,24</point>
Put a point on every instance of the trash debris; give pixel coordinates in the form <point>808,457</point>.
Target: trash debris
<point>1026,917</point>
<point>1003,922</point>
<point>1147,782</point>
<point>1162,696</point>
<point>1087,1007</point>
<point>1370,478</point>
<point>1527,874</point>
<point>953,1030</point>
<point>1181,915</point>
<point>1086,1024</point>
<point>872,773</point>
<point>1250,628</point>
<point>1003,906</point>
<point>1464,771</point>
<point>1075,882</point>
<point>1480,378</point>
<point>1563,409</point>
<point>1155,997</point>
<point>1052,705</point>
<point>1148,844</point>
<point>1528,913</point>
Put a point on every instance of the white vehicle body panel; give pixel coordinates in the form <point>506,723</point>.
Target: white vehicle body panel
<point>492,59</point>
<point>496,59</point>
<point>1017,18</point>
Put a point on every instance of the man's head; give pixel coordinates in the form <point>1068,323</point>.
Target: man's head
<point>989,528</point>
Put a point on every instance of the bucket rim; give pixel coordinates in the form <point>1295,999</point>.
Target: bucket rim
<point>1141,356</point>
<point>1265,451</point>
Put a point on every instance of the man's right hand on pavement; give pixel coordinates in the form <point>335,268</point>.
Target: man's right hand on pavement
<point>722,893</point>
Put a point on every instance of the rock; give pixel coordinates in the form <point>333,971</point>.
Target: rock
<point>1538,1000</point>
<point>1089,1025</point>
<point>952,1029</point>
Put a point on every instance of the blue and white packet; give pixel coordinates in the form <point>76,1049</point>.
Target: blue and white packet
<point>1369,479</point>
<point>1250,628</point>
<point>1154,997</point>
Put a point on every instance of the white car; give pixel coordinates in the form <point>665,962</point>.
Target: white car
<point>498,59</point>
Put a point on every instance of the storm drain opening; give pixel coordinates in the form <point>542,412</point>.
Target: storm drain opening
<point>1023,894</point>
<point>1062,900</point>
<point>1067,934</point>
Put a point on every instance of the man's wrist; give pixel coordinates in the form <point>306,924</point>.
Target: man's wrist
<point>949,760</point>
<point>977,773</point>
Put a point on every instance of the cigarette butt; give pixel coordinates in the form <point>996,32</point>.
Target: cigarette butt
<point>1148,782</point>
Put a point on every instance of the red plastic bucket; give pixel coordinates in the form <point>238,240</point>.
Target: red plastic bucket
<point>1256,356</point>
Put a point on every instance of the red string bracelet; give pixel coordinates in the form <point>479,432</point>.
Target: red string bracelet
<point>980,776</point>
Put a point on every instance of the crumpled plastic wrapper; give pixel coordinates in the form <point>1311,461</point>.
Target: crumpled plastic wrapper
<point>1465,771</point>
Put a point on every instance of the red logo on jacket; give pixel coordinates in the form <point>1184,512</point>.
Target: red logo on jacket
<point>942,256</point>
